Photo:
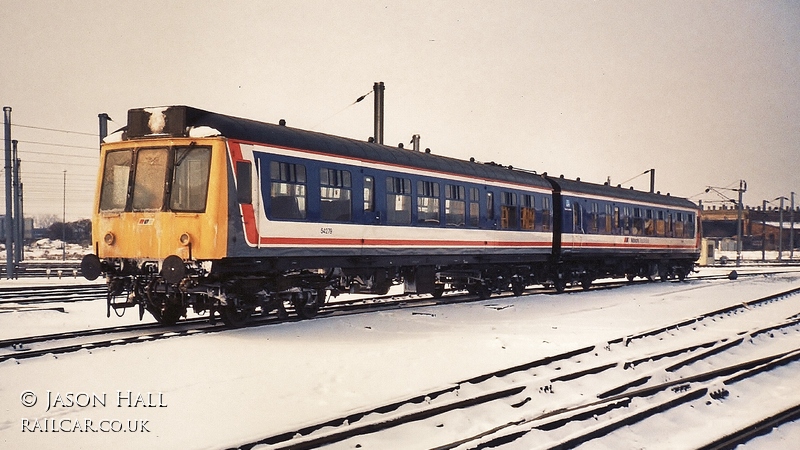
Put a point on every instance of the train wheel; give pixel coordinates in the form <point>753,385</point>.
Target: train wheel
<point>233,317</point>
<point>663,273</point>
<point>171,314</point>
<point>653,271</point>
<point>480,289</point>
<point>438,291</point>
<point>517,287</point>
<point>586,282</point>
<point>559,283</point>
<point>307,303</point>
<point>171,311</point>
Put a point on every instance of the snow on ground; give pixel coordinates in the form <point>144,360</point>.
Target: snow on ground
<point>222,389</point>
<point>49,250</point>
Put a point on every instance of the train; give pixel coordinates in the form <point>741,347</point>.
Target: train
<point>237,218</point>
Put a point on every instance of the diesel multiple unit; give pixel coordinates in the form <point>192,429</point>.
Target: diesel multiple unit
<point>233,216</point>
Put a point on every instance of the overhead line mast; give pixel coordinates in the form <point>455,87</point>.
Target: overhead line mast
<point>8,222</point>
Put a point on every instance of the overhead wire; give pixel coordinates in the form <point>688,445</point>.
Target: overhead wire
<point>58,145</point>
<point>637,176</point>
<point>54,129</point>
<point>341,110</point>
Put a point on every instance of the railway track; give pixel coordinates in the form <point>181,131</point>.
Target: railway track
<point>572,398</point>
<point>66,342</point>
<point>52,294</point>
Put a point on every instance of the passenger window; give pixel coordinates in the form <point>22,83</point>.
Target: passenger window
<point>595,219</point>
<point>428,202</point>
<point>670,226</point>
<point>509,215</point>
<point>546,214</point>
<point>116,174</point>
<point>626,220</point>
<point>474,207</point>
<point>150,179</point>
<point>335,191</point>
<point>679,225</point>
<point>649,226</point>
<point>287,190</point>
<point>638,222</point>
<point>527,217</point>
<point>398,201</point>
<point>454,206</point>
<point>608,219</point>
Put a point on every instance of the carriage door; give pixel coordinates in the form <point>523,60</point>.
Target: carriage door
<point>578,229</point>
<point>568,224</point>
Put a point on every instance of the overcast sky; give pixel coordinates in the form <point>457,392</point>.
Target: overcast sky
<point>705,92</point>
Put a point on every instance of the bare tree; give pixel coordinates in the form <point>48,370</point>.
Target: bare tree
<point>45,220</point>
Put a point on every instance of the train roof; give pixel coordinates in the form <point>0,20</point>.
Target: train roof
<point>605,190</point>
<point>182,120</point>
<point>185,121</point>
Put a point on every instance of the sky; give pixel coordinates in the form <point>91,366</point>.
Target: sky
<point>707,93</point>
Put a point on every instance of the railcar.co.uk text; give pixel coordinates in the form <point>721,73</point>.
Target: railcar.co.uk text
<point>61,401</point>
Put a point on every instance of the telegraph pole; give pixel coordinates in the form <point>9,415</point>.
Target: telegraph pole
<point>9,223</point>
<point>791,230</point>
<point>741,190</point>
<point>780,229</point>
<point>64,221</point>
<point>18,220</point>
<point>764,232</point>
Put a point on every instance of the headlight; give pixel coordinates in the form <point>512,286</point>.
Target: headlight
<point>185,239</point>
<point>109,238</point>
